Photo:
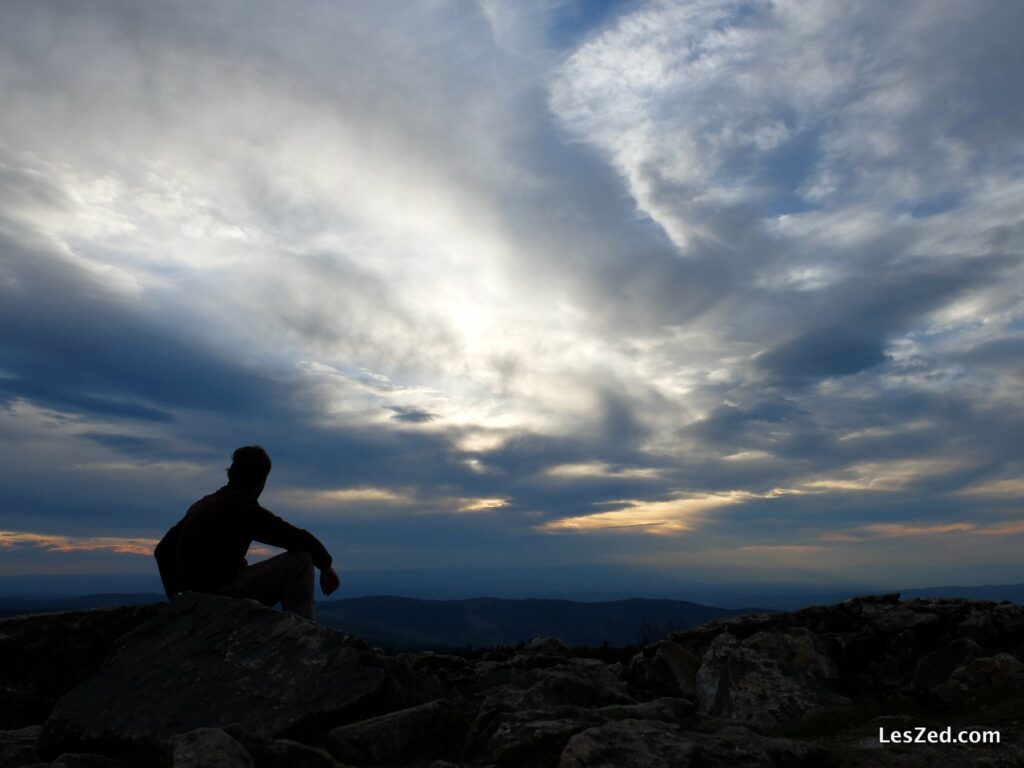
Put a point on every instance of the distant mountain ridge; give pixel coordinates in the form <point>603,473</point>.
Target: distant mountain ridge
<point>402,623</point>
<point>411,624</point>
<point>406,623</point>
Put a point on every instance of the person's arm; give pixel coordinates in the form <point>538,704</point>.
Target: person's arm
<point>165,553</point>
<point>271,529</point>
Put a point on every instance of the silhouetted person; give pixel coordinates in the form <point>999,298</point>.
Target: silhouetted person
<point>205,551</point>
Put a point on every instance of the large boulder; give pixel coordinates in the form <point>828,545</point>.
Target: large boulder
<point>209,661</point>
<point>769,679</point>
<point>44,656</point>
<point>665,668</point>
<point>983,679</point>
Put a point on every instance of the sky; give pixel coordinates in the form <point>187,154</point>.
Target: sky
<point>711,290</point>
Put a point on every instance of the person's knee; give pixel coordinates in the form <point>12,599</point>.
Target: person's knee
<point>303,561</point>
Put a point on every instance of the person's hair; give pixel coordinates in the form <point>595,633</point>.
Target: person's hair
<point>250,465</point>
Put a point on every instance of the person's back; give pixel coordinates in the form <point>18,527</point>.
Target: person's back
<point>205,551</point>
<point>214,537</point>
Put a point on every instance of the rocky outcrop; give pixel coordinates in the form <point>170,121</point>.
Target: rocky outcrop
<point>209,681</point>
<point>207,661</point>
<point>768,679</point>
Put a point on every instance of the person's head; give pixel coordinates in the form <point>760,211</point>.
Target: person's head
<point>250,466</point>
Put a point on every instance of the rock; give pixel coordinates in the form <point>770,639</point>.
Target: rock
<point>855,653</point>
<point>896,663</point>
<point>1010,620</point>
<point>666,709</point>
<point>44,656</point>
<point>983,679</point>
<point>442,664</point>
<point>209,748</point>
<point>210,661</point>
<point>489,673</point>
<point>768,679</point>
<point>522,741</point>
<point>89,760</point>
<point>979,625</point>
<point>281,753</point>
<point>630,744</point>
<point>425,731</point>
<point>674,670</point>
<point>559,687</point>
<point>541,652</point>
<point>738,746</point>
<point>213,681</point>
<point>570,685</point>
<point>529,721</point>
<point>18,747</point>
<point>893,618</point>
<point>548,646</point>
<point>934,669</point>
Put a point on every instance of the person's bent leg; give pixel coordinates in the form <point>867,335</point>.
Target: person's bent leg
<point>298,597</point>
<point>286,578</point>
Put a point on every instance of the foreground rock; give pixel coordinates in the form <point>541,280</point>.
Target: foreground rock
<point>645,744</point>
<point>768,679</point>
<point>206,661</point>
<point>429,730</point>
<point>211,682</point>
<point>42,657</point>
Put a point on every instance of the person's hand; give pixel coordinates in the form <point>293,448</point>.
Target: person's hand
<point>329,580</point>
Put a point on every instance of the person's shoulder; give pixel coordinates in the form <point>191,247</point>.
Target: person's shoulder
<point>238,500</point>
<point>218,497</point>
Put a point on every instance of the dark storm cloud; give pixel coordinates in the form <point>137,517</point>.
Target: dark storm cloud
<point>1005,355</point>
<point>69,339</point>
<point>822,353</point>
<point>64,399</point>
<point>411,415</point>
<point>851,323</point>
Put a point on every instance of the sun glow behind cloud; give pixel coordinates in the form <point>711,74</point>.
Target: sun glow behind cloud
<point>658,517</point>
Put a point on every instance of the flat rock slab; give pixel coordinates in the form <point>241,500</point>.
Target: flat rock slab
<point>209,661</point>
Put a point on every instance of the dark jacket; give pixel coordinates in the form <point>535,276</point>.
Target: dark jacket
<point>206,549</point>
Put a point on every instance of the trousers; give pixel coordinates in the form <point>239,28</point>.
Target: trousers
<point>286,579</point>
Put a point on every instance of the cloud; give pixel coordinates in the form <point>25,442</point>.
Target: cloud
<point>823,353</point>
<point>670,516</point>
<point>113,544</point>
<point>411,415</point>
<point>742,274</point>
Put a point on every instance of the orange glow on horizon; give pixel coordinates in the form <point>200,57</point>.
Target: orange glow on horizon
<point>51,543</point>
